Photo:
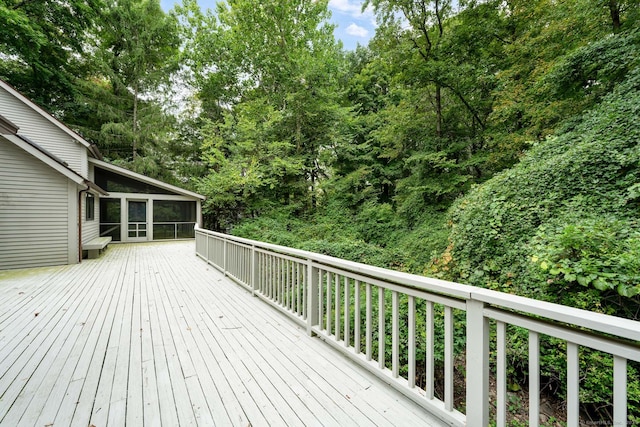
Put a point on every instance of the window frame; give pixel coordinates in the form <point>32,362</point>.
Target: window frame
<point>90,207</point>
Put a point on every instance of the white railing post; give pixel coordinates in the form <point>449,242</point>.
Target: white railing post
<point>313,313</point>
<point>477,365</point>
<point>619,391</point>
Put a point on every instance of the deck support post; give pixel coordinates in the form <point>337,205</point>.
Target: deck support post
<point>477,365</point>
<point>312,297</point>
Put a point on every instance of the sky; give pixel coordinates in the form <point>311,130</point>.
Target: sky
<point>353,26</point>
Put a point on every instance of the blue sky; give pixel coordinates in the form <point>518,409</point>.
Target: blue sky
<point>352,26</point>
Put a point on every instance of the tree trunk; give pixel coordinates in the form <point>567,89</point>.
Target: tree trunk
<point>614,10</point>
<point>438,110</point>
<point>135,121</point>
<point>313,190</point>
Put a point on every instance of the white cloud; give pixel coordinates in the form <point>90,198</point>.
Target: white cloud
<point>357,31</point>
<point>349,7</point>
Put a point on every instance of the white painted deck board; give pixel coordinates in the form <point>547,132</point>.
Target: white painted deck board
<point>150,335</point>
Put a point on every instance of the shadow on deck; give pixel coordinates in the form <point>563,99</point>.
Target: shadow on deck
<point>151,335</point>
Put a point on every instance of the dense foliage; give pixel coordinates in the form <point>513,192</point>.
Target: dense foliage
<point>491,142</point>
<point>566,215</point>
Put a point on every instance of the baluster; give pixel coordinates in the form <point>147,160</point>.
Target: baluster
<point>534,379</point>
<point>267,274</point>
<point>279,280</point>
<point>429,369</point>
<point>347,312</point>
<point>272,277</point>
<point>248,256</point>
<point>411,341</point>
<point>285,283</point>
<point>295,295</point>
<point>305,286</point>
<point>356,317</point>
<point>224,258</point>
<point>321,307</point>
<point>337,306</point>
<point>369,320</point>
<point>261,272</point>
<point>329,312</point>
<point>395,334</point>
<point>243,265</point>
<point>247,265</point>
<point>381,331</point>
<point>573,385</point>
<point>292,283</point>
<point>254,271</point>
<point>501,374</point>
<point>207,243</point>
<point>312,292</point>
<point>448,358</point>
<point>294,287</point>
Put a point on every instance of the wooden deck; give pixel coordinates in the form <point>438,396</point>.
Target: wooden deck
<point>149,334</point>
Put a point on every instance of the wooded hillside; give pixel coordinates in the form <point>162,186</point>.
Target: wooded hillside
<point>488,142</point>
<point>494,143</point>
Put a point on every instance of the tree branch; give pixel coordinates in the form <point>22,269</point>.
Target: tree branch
<point>466,104</point>
<point>22,4</point>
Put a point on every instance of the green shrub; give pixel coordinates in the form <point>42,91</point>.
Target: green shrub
<point>562,226</point>
<point>602,253</point>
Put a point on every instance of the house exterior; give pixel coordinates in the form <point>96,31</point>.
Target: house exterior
<point>57,194</point>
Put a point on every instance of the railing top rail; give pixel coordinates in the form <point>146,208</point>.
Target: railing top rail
<point>175,222</point>
<point>412,280</point>
<point>623,328</point>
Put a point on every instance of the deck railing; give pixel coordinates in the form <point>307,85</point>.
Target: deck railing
<point>344,302</point>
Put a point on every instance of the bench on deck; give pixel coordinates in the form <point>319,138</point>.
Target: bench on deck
<point>94,246</point>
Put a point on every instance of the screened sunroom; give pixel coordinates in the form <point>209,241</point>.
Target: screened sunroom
<point>141,209</point>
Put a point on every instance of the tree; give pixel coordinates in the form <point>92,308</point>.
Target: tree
<point>267,74</point>
<point>137,55</point>
<point>40,42</point>
<point>426,19</point>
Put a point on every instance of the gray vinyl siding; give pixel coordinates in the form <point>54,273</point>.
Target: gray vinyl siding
<point>34,211</point>
<point>90,229</point>
<point>44,133</point>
